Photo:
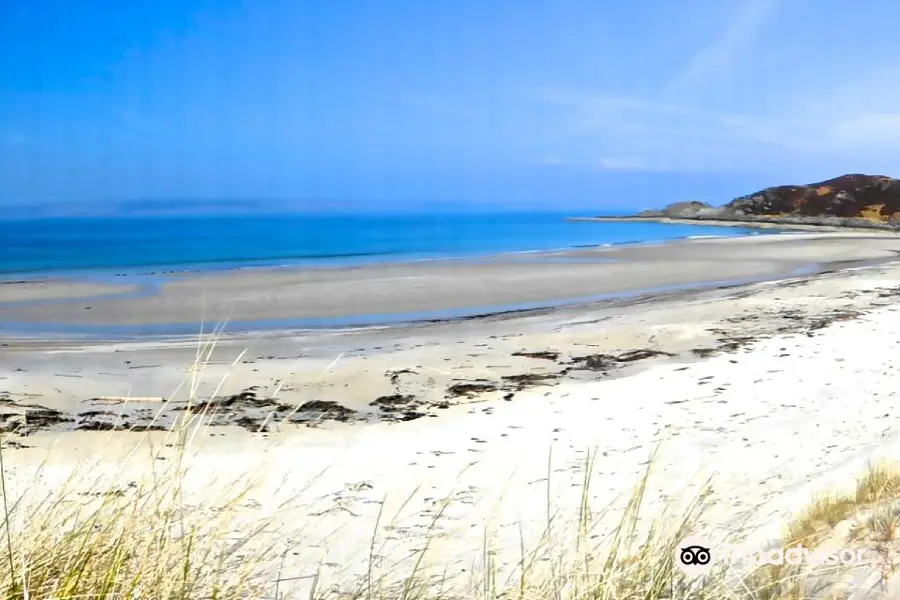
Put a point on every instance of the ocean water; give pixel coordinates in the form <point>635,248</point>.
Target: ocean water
<point>144,244</point>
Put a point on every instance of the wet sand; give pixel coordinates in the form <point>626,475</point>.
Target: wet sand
<point>293,297</point>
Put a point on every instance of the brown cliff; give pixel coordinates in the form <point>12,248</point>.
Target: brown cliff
<point>855,200</point>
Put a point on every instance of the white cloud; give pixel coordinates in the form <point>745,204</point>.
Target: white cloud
<point>882,129</point>
<point>742,29</point>
<point>640,133</point>
<point>774,119</point>
<point>621,163</point>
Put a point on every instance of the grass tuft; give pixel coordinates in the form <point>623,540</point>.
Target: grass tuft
<point>878,485</point>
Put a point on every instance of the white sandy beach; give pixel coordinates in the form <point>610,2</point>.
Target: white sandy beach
<point>776,390</point>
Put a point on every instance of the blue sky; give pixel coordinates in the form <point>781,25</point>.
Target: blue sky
<point>390,103</point>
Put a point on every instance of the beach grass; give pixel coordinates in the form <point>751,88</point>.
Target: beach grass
<point>879,485</point>
<point>144,542</point>
<point>128,537</point>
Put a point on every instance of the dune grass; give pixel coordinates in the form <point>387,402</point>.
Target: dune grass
<point>141,541</point>
<point>127,544</point>
<point>131,536</point>
<point>126,536</point>
<point>866,517</point>
<point>139,538</point>
<point>880,484</point>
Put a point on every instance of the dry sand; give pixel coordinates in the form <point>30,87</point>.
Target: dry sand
<point>776,389</point>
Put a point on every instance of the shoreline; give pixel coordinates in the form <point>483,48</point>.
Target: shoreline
<point>158,363</point>
<point>757,223</point>
<point>290,299</point>
<point>67,370</point>
<point>164,271</point>
<point>168,331</point>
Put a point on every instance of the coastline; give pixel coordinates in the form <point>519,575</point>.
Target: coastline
<point>176,331</point>
<point>162,271</point>
<point>750,263</point>
<point>756,222</point>
<point>300,241</point>
<point>720,223</point>
<point>401,293</point>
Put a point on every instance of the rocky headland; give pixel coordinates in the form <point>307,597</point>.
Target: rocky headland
<point>855,201</point>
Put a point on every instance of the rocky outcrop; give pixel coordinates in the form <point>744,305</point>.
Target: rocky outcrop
<point>679,210</point>
<point>850,200</point>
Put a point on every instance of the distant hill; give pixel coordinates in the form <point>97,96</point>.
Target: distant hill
<point>849,200</point>
<point>130,208</point>
<point>158,207</point>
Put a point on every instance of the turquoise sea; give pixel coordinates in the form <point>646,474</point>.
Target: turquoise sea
<point>146,244</point>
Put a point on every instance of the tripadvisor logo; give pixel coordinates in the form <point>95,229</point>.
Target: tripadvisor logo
<point>696,556</point>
